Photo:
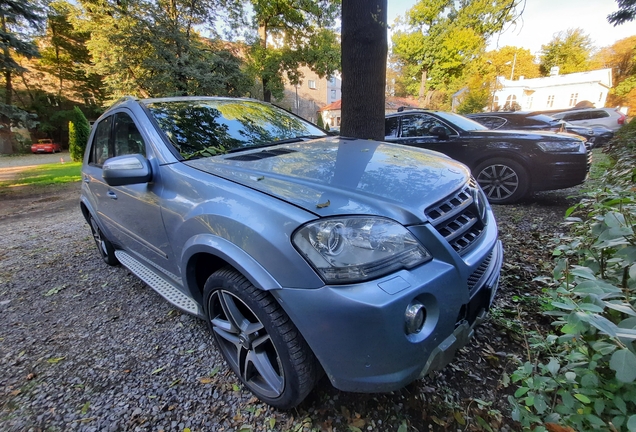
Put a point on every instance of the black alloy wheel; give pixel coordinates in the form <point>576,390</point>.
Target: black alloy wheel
<point>105,247</point>
<point>504,181</point>
<point>258,340</point>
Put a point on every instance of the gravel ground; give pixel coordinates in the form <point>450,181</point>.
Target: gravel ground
<point>87,347</point>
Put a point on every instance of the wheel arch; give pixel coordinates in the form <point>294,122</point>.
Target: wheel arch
<point>204,254</point>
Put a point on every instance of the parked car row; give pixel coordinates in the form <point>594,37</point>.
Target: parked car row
<point>508,165</point>
<point>597,136</point>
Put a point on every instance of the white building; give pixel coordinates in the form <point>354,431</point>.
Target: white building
<point>553,92</point>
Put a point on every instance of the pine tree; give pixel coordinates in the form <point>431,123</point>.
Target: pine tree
<point>78,132</point>
<point>15,17</point>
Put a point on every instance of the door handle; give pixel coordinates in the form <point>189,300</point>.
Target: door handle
<point>111,195</point>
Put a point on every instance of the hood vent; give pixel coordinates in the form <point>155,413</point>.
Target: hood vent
<point>261,155</point>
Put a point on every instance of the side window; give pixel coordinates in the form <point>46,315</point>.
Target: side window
<point>128,140</point>
<point>391,127</point>
<point>100,149</point>
<point>420,125</point>
<point>598,114</point>
<point>576,116</point>
<point>491,122</point>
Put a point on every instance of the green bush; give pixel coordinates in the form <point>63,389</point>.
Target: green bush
<point>319,122</point>
<point>584,375</point>
<point>78,131</point>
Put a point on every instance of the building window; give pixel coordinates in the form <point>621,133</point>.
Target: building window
<point>550,101</point>
<point>337,121</point>
<point>573,98</point>
<point>333,95</point>
<point>312,84</point>
<point>529,103</point>
<point>332,80</point>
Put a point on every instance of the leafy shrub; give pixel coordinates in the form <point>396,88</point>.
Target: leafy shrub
<point>78,131</point>
<point>585,376</point>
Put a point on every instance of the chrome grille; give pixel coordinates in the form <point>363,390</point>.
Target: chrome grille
<point>457,219</point>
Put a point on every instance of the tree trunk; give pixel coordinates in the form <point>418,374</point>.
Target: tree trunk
<point>262,35</point>
<point>363,55</point>
<point>422,94</point>
<point>8,87</point>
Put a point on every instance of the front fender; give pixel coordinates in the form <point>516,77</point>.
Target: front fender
<point>233,255</point>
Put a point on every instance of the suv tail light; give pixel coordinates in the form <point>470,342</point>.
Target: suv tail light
<point>621,119</point>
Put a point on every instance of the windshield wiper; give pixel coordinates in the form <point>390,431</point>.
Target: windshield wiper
<point>274,143</point>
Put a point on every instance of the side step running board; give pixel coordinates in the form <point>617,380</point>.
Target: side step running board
<point>159,284</point>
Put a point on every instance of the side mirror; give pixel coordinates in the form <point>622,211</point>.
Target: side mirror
<point>439,131</point>
<point>126,170</point>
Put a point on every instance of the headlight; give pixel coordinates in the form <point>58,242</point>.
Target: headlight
<point>353,249</point>
<point>562,146</point>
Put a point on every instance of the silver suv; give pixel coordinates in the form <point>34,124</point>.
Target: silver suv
<point>304,252</point>
<point>610,118</point>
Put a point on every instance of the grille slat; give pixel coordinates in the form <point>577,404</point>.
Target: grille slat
<point>456,218</point>
<point>477,274</point>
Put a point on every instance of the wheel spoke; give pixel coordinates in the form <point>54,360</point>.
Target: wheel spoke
<point>264,377</point>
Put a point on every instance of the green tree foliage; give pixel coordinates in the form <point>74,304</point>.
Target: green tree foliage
<point>151,48</point>
<point>64,55</point>
<point>569,50</point>
<point>439,39</point>
<point>16,18</point>
<point>292,33</point>
<point>78,131</point>
<point>626,12</point>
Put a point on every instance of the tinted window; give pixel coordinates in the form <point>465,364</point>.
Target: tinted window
<point>128,140</point>
<point>100,149</point>
<point>391,127</point>
<point>461,121</point>
<point>490,122</point>
<point>598,114</point>
<point>576,116</point>
<point>418,125</point>
<point>206,127</point>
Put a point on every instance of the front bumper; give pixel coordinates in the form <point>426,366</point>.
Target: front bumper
<point>561,171</point>
<point>358,333</point>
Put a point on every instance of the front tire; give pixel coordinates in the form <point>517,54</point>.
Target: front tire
<point>105,247</point>
<point>504,181</point>
<point>258,340</point>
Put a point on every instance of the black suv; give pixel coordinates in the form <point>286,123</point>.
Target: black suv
<point>507,164</point>
<point>520,120</point>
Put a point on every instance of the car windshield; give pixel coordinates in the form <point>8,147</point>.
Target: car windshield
<point>209,127</point>
<point>461,122</point>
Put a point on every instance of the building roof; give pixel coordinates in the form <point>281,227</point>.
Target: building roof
<point>390,103</point>
<point>600,76</point>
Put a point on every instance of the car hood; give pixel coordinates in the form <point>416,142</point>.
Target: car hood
<point>336,176</point>
<point>524,135</point>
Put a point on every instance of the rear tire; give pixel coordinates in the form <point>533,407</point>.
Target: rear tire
<point>105,247</point>
<point>504,181</point>
<point>258,340</point>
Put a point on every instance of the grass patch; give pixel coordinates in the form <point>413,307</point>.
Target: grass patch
<point>601,162</point>
<point>55,173</point>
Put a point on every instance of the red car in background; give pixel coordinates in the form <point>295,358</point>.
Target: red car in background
<point>45,146</point>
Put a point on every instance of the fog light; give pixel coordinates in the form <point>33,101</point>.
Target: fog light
<point>414,317</point>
